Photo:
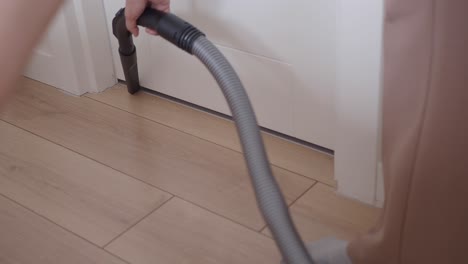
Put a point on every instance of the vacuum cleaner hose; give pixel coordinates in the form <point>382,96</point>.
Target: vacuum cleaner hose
<point>269,197</point>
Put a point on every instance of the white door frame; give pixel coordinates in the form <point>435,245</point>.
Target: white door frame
<point>89,44</point>
<point>358,78</point>
<point>359,53</point>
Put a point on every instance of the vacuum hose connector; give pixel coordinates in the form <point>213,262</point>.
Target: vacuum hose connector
<point>170,27</point>
<point>269,197</point>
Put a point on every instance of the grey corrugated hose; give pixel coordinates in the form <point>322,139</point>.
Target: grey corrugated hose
<point>269,197</point>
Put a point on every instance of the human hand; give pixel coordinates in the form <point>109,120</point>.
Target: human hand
<point>134,8</point>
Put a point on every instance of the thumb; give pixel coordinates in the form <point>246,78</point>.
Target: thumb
<point>132,27</point>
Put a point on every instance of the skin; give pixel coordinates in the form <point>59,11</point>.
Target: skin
<point>23,23</point>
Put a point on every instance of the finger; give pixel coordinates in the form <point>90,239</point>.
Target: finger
<point>162,5</point>
<point>133,10</point>
<point>151,32</point>
<point>133,28</point>
<point>131,24</point>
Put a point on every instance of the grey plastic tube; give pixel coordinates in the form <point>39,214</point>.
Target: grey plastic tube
<point>269,197</point>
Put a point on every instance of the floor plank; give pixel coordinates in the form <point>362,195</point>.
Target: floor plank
<point>198,171</point>
<point>321,213</point>
<point>285,154</point>
<point>26,238</point>
<point>180,232</point>
<point>81,195</point>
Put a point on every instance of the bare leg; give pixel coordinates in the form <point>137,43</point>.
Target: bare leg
<point>425,139</point>
<point>21,25</point>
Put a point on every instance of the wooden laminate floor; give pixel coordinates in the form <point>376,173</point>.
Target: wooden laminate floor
<point>114,178</point>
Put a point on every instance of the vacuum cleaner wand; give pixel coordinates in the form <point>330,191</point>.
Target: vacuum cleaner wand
<point>127,52</point>
<point>269,197</point>
<point>169,26</point>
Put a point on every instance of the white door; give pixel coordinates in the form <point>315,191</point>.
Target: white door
<point>284,51</point>
<point>307,64</point>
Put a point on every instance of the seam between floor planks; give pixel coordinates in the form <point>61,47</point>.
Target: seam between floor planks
<point>137,222</point>
<point>204,139</point>
<point>153,184</point>
<point>133,225</point>
<point>90,158</point>
<point>293,202</point>
<point>61,227</point>
<point>149,184</point>
<point>144,217</point>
